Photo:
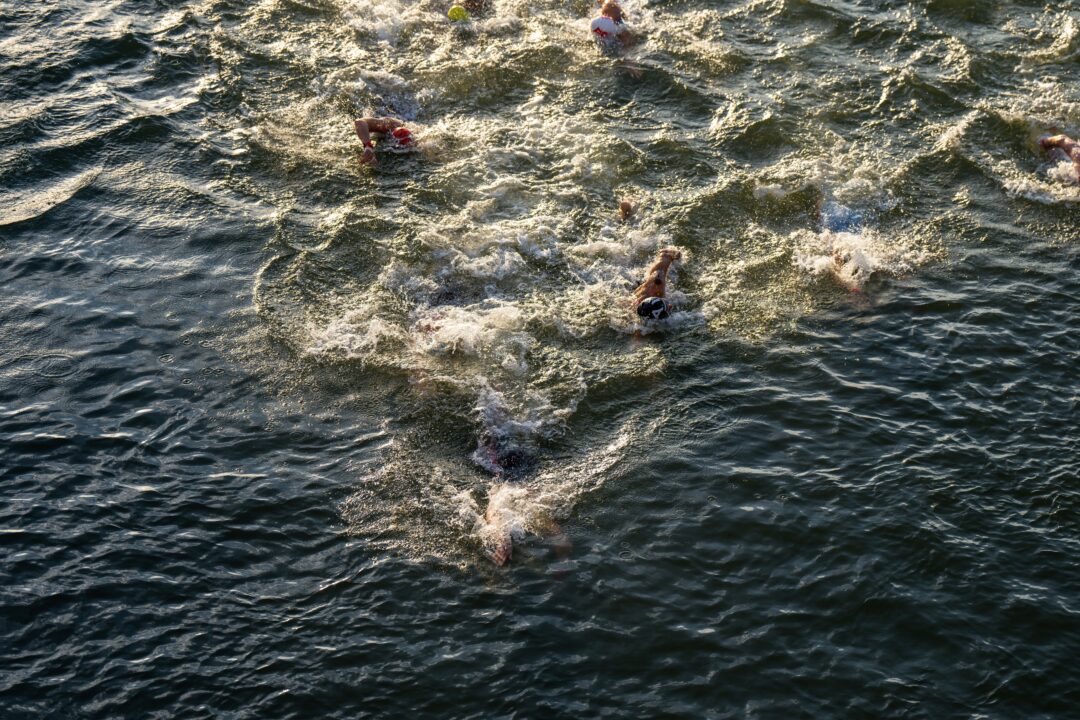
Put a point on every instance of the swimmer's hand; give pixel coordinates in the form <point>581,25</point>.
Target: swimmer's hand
<point>367,157</point>
<point>670,254</point>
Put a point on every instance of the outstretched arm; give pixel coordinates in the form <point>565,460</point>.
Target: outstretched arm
<point>1066,143</point>
<point>655,284</point>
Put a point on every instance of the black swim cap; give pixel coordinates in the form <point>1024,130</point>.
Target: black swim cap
<point>653,308</point>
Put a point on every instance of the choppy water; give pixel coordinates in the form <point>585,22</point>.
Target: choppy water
<point>254,399</point>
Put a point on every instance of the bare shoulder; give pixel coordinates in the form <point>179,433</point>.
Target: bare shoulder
<point>381,124</point>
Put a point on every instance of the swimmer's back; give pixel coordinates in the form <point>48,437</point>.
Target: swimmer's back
<point>606,30</point>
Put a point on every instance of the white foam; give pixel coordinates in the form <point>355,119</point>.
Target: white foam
<point>769,192</point>
<point>1064,172</point>
<point>448,329</point>
<point>851,175</point>
<point>510,515</point>
<point>615,251</point>
<point>388,20</point>
<point>404,280</point>
<point>852,258</point>
<point>950,138</point>
<point>1061,185</point>
<point>499,262</point>
<point>357,334</point>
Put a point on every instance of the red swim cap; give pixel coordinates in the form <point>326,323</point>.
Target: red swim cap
<point>402,135</point>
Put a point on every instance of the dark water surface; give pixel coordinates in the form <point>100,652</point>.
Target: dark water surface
<point>252,396</point>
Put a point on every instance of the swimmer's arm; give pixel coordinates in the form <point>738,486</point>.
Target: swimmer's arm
<point>383,124</point>
<point>361,126</point>
<point>1064,142</point>
<point>365,126</point>
<point>660,266</point>
<point>652,287</point>
<point>363,129</point>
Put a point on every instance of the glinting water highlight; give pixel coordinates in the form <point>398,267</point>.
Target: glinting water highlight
<point>540,360</point>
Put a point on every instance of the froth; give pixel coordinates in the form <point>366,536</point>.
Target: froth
<point>358,334</point>
<point>852,258</point>
<point>388,20</point>
<point>493,327</point>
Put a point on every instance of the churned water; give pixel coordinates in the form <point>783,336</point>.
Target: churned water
<point>263,410</point>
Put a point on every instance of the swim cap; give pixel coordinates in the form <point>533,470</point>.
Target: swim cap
<point>653,308</point>
<point>458,13</point>
<point>402,135</point>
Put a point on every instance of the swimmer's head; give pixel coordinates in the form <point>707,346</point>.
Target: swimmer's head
<point>403,135</point>
<point>653,308</point>
<point>611,9</point>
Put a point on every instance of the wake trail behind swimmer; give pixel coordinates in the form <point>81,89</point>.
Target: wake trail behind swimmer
<point>505,516</point>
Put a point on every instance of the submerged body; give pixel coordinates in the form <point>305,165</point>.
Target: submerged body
<point>502,522</point>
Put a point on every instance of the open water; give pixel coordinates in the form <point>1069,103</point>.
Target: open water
<point>255,399</point>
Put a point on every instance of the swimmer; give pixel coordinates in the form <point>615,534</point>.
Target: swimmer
<point>649,297</point>
<point>387,130</point>
<point>841,224</point>
<point>609,28</point>
<point>626,210</point>
<point>1062,148</point>
<point>503,453</point>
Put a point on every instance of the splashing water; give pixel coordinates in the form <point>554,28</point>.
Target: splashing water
<point>488,272</point>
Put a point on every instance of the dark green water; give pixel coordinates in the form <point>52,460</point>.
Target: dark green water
<point>251,395</point>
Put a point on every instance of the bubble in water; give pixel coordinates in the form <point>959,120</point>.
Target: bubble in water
<point>52,365</point>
